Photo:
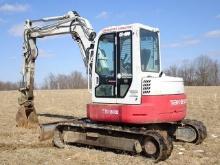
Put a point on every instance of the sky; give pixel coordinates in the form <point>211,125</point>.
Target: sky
<point>188,29</point>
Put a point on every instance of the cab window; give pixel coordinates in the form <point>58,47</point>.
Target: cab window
<point>149,51</point>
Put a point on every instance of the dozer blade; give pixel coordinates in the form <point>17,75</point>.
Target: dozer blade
<point>27,117</point>
<point>47,131</point>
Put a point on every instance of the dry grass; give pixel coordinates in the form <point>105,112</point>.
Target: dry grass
<point>21,146</point>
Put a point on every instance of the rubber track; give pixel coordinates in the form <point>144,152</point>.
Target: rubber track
<point>199,127</point>
<point>169,143</point>
<point>163,155</point>
<point>165,143</point>
<point>58,140</point>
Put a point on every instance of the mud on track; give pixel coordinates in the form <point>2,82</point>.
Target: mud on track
<point>21,146</point>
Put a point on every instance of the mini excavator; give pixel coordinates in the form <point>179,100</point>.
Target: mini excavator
<point>135,107</point>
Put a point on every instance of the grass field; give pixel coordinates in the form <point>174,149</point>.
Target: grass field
<point>21,146</point>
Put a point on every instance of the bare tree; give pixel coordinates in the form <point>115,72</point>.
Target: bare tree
<point>214,73</point>
<point>187,72</point>
<point>8,86</point>
<point>75,80</point>
<point>173,70</point>
<point>200,71</point>
<point>203,70</point>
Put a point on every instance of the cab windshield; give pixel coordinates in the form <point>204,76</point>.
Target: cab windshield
<point>149,43</point>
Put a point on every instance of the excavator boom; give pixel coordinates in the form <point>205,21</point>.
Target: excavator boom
<point>81,31</point>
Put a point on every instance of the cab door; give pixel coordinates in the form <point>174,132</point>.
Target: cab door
<point>124,64</point>
<point>113,67</point>
<point>105,69</point>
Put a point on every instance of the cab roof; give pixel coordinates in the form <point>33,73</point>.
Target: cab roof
<point>128,27</point>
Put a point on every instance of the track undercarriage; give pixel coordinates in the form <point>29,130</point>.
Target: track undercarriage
<point>152,140</point>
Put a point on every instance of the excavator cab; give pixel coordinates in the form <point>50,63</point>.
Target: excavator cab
<point>128,84</point>
<point>123,54</point>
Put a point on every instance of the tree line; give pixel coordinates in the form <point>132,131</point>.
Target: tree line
<point>201,71</point>
<point>74,80</point>
<point>8,86</point>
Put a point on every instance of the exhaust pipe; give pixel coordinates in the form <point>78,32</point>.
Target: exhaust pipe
<point>47,131</point>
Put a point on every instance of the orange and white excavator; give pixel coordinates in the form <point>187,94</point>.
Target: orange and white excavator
<point>135,106</point>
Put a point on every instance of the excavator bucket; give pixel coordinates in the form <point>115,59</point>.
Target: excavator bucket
<point>27,117</point>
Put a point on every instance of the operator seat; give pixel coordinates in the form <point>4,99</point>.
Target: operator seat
<point>145,56</point>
